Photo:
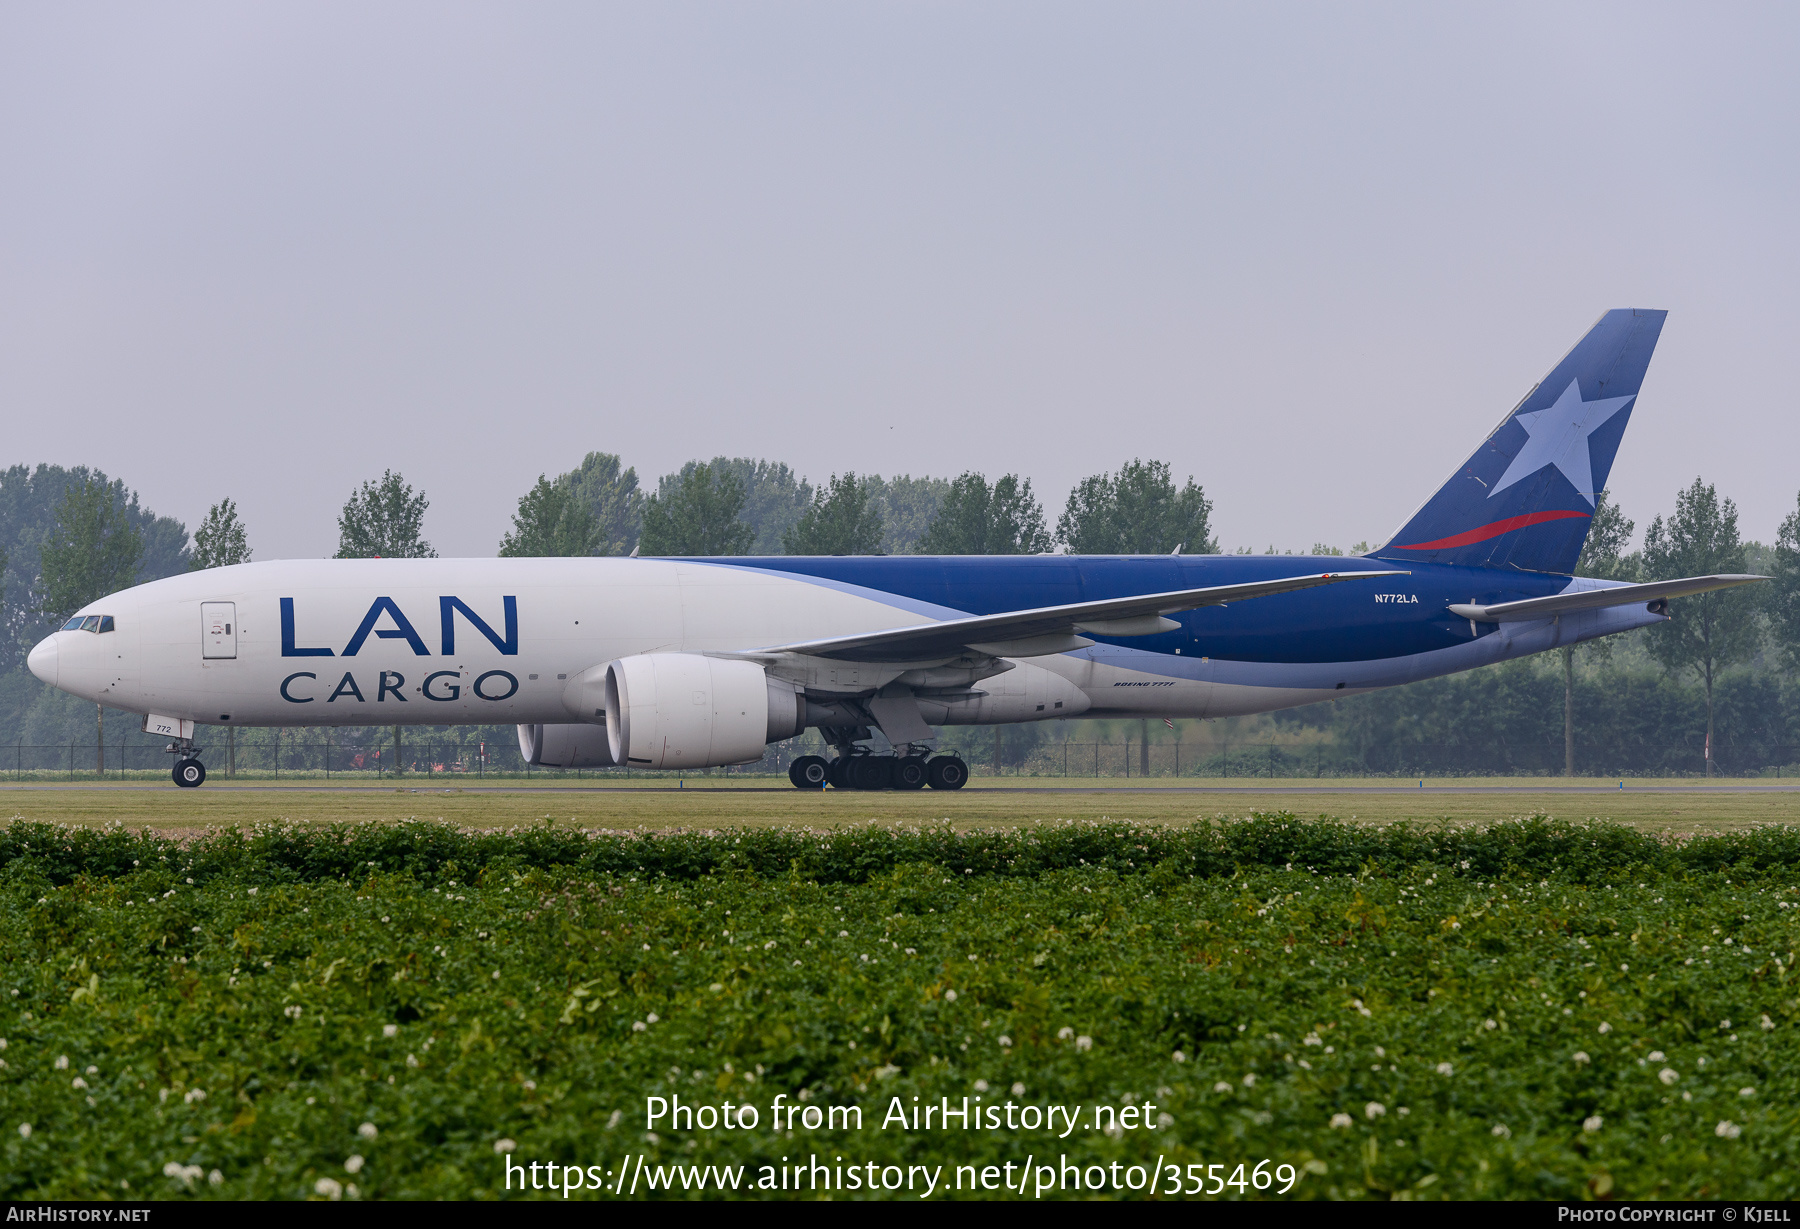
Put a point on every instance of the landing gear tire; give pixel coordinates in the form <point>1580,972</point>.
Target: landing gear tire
<point>946,772</point>
<point>189,773</point>
<point>809,772</point>
<point>910,773</point>
<point>837,773</point>
<point>871,771</point>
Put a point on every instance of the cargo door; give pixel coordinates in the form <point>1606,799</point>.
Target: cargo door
<point>218,630</point>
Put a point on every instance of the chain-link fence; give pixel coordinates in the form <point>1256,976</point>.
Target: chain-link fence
<point>1327,760</point>
<point>278,757</point>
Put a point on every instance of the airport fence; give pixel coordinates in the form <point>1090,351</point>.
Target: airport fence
<point>277,757</point>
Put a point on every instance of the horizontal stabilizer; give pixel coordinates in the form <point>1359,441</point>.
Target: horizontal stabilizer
<point>1595,599</point>
<point>1045,629</point>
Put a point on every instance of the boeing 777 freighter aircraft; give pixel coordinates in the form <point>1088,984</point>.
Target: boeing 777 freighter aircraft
<point>686,663</point>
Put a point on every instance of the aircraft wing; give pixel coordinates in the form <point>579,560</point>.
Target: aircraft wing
<point>1594,599</point>
<point>1046,629</point>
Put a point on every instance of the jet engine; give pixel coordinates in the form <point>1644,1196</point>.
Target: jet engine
<point>683,710</point>
<point>576,745</point>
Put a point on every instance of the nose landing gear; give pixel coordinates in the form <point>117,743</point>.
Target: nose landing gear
<point>189,772</point>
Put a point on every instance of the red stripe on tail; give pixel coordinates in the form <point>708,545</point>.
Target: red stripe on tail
<point>1494,530</point>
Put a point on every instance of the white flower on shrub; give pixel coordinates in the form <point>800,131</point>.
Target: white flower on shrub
<point>1590,1125</point>
<point>367,1130</point>
<point>1342,1120</point>
<point>1667,1075</point>
<point>1374,1110</point>
<point>1728,1129</point>
<point>330,1187</point>
<point>1446,1069</point>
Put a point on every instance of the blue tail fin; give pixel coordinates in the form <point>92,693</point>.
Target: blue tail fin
<point>1526,498</point>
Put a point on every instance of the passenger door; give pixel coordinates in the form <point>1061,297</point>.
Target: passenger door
<point>218,630</point>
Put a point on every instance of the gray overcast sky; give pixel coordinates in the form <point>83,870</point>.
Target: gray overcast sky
<point>1309,254</point>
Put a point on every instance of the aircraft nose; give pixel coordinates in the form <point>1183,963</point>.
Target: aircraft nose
<point>42,661</point>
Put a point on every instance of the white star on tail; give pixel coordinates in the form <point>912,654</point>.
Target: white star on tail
<point>1558,435</point>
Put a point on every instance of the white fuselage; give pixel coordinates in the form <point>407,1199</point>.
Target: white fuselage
<point>427,642</point>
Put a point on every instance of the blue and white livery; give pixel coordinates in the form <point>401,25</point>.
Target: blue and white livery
<point>681,663</point>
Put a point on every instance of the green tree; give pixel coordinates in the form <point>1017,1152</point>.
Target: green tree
<point>976,519</point>
<point>220,540</point>
<point>93,549</point>
<point>610,494</point>
<point>1710,631</point>
<point>383,520</point>
<point>1603,557</point>
<point>30,498</point>
<point>775,498</point>
<point>843,520</point>
<point>1136,511</point>
<point>696,512</point>
<point>1784,601</point>
<point>908,506</point>
<point>551,521</point>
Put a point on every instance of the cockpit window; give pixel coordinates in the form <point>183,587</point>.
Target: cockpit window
<point>106,623</point>
<point>91,623</point>
<point>73,625</point>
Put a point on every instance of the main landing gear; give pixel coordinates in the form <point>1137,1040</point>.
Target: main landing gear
<point>879,772</point>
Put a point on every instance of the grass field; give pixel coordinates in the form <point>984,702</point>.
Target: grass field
<point>710,803</point>
<point>1528,1009</point>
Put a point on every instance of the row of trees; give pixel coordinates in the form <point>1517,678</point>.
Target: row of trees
<point>68,537</point>
<point>739,506</point>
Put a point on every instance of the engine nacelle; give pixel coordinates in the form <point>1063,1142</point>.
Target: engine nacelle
<point>574,745</point>
<point>682,710</point>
